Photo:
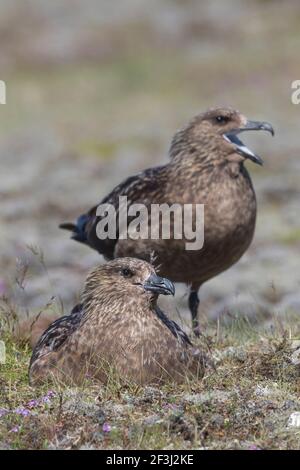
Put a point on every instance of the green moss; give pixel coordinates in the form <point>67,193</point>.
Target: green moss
<point>103,150</point>
<point>291,237</point>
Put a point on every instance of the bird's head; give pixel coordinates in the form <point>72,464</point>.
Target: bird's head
<point>129,279</point>
<point>213,135</point>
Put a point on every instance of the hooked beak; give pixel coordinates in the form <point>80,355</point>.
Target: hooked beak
<point>257,126</point>
<point>159,285</point>
<point>240,147</point>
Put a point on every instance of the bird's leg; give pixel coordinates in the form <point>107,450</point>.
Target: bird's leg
<point>193,306</point>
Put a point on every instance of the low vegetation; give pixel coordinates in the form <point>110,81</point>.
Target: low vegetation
<point>247,400</point>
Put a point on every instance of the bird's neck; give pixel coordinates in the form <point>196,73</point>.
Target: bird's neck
<point>198,157</point>
<point>195,164</point>
<point>113,305</point>
<point>194,160</point>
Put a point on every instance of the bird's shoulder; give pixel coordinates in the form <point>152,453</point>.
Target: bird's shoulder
<point>141,187</point>
<point>137,186</point>
<point>57,333</point>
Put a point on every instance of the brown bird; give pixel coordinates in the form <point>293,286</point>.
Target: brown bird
<point>118,326</point>
<point>206,167</point>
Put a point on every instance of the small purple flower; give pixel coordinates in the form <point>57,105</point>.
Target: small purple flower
<point>48,397</point>
<point>3,412</point>
<point>39,401</point>
<point>253,447</point>
<point>32,404</point>
<point>45,400</point>
<point>22,411</point>
<point>106,427</point>
<point>15,429</point>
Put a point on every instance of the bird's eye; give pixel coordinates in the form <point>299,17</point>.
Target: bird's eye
<point>127,272</point>
<point>222,119</point>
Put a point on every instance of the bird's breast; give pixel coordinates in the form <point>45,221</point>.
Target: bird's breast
<point>230,209</point>
<point>229,223</point>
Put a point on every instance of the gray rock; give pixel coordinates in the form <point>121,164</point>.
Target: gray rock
<point>294,420</point>
<point>152,420</point>
<point>231,352</point>
<point>295,357</point>
<point>207,397</point>
<point>217,420</point>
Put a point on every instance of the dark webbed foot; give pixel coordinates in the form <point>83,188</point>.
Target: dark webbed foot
<point>193,306</point>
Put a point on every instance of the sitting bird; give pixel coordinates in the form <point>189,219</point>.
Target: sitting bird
<point>206,167</point>
<point>117,326</point>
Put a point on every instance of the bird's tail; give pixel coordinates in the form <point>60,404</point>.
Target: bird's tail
<point>78,229</point>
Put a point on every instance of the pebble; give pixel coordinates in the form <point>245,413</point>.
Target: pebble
<point>294,420</point>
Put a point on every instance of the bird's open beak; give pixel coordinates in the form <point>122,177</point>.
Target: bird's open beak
<point>159,285</point>
<point>240,147</point>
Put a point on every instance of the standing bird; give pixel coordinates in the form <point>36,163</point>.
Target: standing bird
<point>118,326</point>
<point>206,167</point>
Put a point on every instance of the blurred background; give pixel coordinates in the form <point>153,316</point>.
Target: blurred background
<point>95,91</point>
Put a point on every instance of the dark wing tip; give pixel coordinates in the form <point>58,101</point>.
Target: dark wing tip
<point>68,226</point>
<point>173,327</point>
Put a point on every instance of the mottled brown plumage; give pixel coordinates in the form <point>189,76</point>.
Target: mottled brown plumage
<point>206,167</point>
<point>118,326</point>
